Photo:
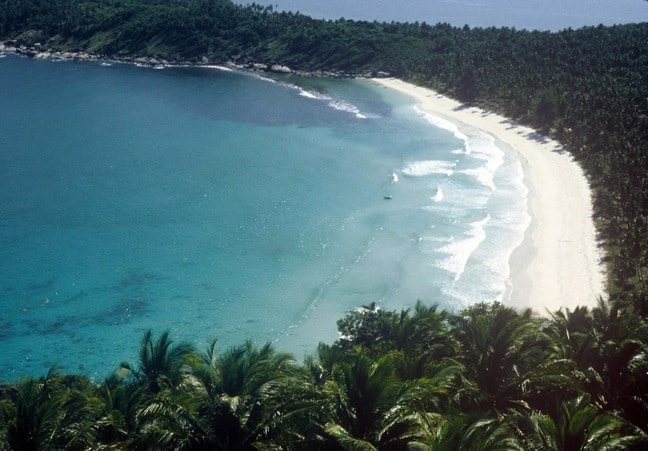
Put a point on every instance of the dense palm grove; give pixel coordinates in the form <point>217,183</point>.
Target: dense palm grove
<point>489,377</point>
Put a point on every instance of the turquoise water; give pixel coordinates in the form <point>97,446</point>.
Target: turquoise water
<point>227,205</point>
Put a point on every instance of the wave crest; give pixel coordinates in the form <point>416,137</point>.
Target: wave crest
<point>460,250</point>
<point>438,196</point>
<point>449,126</point>
<point>429,167</point>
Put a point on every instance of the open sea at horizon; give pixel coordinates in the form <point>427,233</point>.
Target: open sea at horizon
<point>220,204</point>
<point>550,15</point>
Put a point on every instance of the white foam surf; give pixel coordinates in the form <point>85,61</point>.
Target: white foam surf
<point>347,107</point>
<point>217,67</point>
<point>460,249</point>
<point>438,196</point>
<point>491,156</point>
<point>478,145</point>
<point>339,105</point>
<point>445,124</point>
<point>429,167</point>
<point>312,94</point>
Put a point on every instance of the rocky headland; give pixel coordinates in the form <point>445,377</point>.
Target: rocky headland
<point>40,51</point>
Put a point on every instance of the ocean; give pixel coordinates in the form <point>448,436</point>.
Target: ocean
<point>227,205</point>
<point>551,15</point>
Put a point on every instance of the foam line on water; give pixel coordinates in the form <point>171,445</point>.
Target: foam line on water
<point>478,145</point>
<point>447,125</point>
<point>460,249</point>
<point>490,263</point>
<point>336,104</point>
<point>347,107</point>
<point>311,94</point>
<point>217,67</point>
<point>429,167</point>
<point>263,78</point>
<point>491,158</point>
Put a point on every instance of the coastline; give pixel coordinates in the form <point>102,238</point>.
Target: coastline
<point>559,264</point>
<point>39,52</point>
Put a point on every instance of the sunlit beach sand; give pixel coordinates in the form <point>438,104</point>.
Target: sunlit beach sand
<point>559,264</point>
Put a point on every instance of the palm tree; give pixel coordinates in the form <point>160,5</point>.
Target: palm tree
<point>167,420</point>
<point>608,348</point>
<point>621,361</point>
<point>357,383</point>
<point>421,336</point>
<point>34,420</point>
<point>468,432</point>
<point>119,400</point>
<point>425,342</point>
<point>295,412</point>
<point>572,335</point>
<point>132,398</point>
<point>577,425</point>
<point>48,413</point>
<point>372,405</point>
<point>218,402</point>
<point>80,412</point>
<point>572,341</point>
<point>241,397</point>
<point>503,352</point>
<point>432,334</point>
<point>326,363</point>
<point>161,365</point>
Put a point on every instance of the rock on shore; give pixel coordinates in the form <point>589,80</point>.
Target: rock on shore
<point>39,51</point>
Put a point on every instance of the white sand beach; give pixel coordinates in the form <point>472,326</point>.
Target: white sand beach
<point>559,264</point>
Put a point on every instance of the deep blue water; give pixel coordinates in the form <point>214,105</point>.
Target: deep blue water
<point>550,15</point>
<point>220,204</point>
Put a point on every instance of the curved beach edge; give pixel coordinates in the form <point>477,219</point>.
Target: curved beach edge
<point>559,263</point>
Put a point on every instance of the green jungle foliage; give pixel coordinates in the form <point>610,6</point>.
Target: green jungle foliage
<point>489,377</point>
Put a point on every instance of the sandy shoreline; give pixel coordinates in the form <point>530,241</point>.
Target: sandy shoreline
<point>559,262</point>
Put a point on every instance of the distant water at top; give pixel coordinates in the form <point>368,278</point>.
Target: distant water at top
<point>219,204</point>
<point>550,15</point>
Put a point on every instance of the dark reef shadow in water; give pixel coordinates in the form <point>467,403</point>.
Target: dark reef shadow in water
<point>5,328</point>
<point>135,299</point>
<point>62,326</point>
<point>136,279</point>
<point>80,295</point>
<point>126,309</point>
<point>39,287</point>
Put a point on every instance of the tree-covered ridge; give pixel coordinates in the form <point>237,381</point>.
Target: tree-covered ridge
<point>487,378</point>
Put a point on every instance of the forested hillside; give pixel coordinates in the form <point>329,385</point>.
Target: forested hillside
<point>489,377</point>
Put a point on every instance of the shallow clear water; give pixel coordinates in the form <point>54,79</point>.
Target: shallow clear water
<point>219,204</point>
